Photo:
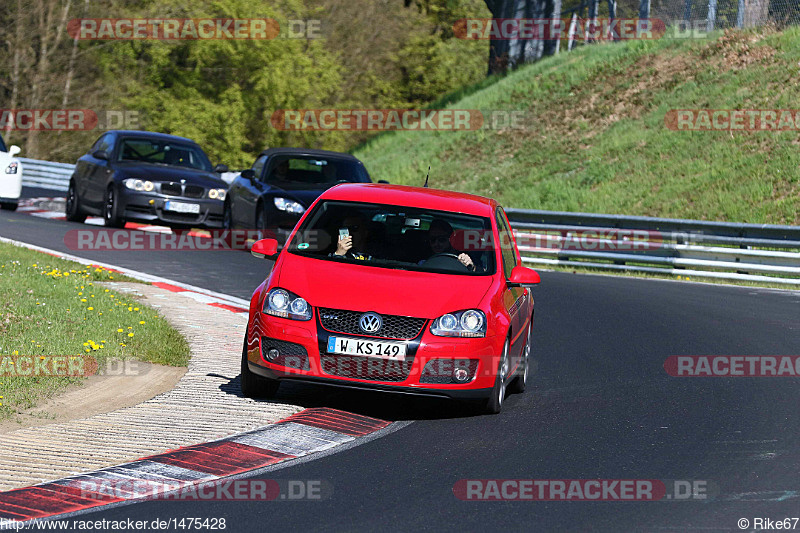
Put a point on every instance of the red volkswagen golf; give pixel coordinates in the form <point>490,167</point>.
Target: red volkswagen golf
<point>394,288</point>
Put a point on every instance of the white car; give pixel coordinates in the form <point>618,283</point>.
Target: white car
<point>10,176</point>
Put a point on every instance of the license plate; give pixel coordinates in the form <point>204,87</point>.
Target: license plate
<point>384,350</point>
<point>181,207</point>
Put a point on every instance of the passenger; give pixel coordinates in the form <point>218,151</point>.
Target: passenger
<point>353,245</point>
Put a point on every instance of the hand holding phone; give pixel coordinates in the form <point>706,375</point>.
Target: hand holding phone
<point>345,241</point>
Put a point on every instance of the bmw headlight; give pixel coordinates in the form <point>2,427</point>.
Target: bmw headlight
<point>282,303</point>
<point>217,194</point>
<point>469,323</point>
<point>12,168</point>
<point>289,206</point>
<point>139,185</point>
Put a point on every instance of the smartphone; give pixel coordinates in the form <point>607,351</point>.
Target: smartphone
<point>343,232</point>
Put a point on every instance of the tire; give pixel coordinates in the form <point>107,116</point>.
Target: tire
<point>254,386</point>
<point>520,382</point>
<point>261,221</point>
<point>111,216</point>
<point>495,402</point>
<point>9,206</point>
<point>227,216</point>
<point>73,208</point>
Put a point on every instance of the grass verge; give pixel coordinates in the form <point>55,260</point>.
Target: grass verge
<point>54,307</point>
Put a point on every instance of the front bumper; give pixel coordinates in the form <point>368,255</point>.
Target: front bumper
<point>309,361</point>
<point>150,207</point>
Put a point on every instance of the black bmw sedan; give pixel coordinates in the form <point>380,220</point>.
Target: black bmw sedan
<point>147,177</point>
<point>272,195</point>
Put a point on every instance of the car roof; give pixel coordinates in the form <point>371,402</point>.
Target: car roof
<point>151,135</point>
<point>307,151</point>
<point>419,197</point>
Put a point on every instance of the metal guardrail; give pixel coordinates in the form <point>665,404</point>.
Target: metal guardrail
<point>46,174</point>
<point>698,248</point>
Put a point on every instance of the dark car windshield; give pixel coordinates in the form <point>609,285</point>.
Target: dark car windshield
<point>404,238</point>
<point>312,172</point>
<point>163,153</point>
<point>2,145</point>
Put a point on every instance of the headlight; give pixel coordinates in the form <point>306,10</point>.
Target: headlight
<point>469,323</point>
<point>12,168</point>
<point>217,194</point>
<point>282,303</point>
<point>139,185</point>
<point>288,205</point>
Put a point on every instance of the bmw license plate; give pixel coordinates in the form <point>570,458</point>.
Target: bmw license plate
<point>384,350</point>
<point>181,207</point>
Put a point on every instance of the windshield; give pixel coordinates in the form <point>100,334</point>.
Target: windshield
<point>311,172</point>
<point>397,237</point>
<point>164,153</point>
<point>2,145</point>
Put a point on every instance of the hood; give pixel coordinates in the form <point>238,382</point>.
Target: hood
<point>146,171</point>
<point>383,290</point>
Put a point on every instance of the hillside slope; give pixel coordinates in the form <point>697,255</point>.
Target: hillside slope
<point>595,137</point>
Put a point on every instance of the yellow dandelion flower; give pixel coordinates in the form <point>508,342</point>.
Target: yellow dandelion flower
<point>80,294</point>
<point>130,334</point>
<point>90,308</point>
<point>135,308</point>
<point>141,322</point>
<point>83,299</point>
<point>130,308</point>
<point>107,290</point>
<point>119,330</point>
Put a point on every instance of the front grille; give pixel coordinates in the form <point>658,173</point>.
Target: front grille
<point>193,191</point>
<point>394,326</point>
<point>369,368</point>
<point>291,355</point>
<point>173,189</point>
<point>440,371</point>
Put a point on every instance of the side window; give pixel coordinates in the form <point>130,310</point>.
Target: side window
<point>258,166</point>
<point>103,143</point>
<point>506,243</point>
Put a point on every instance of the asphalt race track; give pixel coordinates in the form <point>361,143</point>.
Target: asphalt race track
<point>600,406</point>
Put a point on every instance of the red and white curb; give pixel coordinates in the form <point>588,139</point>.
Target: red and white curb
<point>308,432</point>
<point>216,299</point>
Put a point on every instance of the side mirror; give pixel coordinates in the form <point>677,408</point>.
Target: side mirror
<point>521,275</point>
<point>265,248</point>
<point>101,154</point>
<point>14,150</point>
<point>221,168</point>
<point>249,174</point>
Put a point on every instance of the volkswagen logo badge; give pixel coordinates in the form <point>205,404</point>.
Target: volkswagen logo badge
<point>370,322</point>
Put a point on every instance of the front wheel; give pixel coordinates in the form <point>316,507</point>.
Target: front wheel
<point>111,215</point>
<point>495,402</point>
<point>9,206</point>
<point>254,386</point>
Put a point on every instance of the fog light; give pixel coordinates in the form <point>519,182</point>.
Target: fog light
<point>273,354</point>
<point>461,375</point>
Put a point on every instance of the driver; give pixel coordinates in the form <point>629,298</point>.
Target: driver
<point>439,239</point>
